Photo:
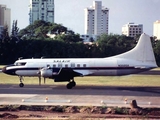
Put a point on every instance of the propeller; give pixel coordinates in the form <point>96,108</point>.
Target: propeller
<point>40,75</point>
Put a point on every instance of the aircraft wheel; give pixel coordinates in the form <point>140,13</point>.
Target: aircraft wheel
<point>69,86</point>
<point>21,85</point>
<point>73,84</point>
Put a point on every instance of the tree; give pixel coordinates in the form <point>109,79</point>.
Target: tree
<point>69,38</point>
<point>7,47</point>
<point>111,44</point>
<point>14,33</point>
<point>156,46</point>
<point>58,29</point>
<point>5,33</point>
<point>40,28</point>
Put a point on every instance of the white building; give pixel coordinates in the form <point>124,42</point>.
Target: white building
<point>5,18</point>
<point>41,10</point>
<point>88,38</point>
<point>156,29</point>
<point>132,29</point>
<point>96,19</point>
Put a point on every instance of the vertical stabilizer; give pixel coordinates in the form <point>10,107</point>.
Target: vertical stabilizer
<point>143,51</point>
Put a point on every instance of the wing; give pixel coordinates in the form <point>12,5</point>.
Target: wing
<point>84,72</point>
<point>68,73</point>
<point>62,74</point>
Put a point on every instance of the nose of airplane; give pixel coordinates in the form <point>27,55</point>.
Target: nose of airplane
<point>9,71</point>
<point>4,69</point>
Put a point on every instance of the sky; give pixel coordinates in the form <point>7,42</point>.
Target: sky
<point>70,13</point>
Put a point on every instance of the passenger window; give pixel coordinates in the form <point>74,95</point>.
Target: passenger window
<point>78,65</point>
<point>84,65</point>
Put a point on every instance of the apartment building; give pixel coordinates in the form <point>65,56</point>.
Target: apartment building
<point>5,18</point>
<point>132,29</point>
<point>156,29</point>
<point>96,19</point>
<point>41,10</point>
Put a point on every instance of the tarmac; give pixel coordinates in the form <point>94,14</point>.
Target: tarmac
<point>79,96</point>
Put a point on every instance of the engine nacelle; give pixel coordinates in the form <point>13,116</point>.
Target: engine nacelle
<point>46,73</point>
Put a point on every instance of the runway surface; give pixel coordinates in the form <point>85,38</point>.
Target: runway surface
<point>80,95</point>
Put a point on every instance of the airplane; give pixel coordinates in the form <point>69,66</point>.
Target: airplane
<point>139,59</point>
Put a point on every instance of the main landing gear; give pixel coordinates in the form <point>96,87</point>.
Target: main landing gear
<point>71,84</point>
<point>21,83</point>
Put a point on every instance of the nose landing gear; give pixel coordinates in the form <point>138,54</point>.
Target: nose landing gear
<point>21,83</point>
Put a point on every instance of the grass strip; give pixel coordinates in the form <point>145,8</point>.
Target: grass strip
<point>130,80</point>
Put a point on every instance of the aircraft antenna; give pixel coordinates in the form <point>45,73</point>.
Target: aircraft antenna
<point>20,58</point>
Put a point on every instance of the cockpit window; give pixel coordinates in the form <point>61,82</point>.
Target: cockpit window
<point>20,63</point>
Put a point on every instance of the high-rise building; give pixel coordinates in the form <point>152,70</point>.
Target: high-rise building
<point>41,10</point>
<point>96,19</point>
<point>156,29</point>
<point>5,18</point>
<point>132,29</point>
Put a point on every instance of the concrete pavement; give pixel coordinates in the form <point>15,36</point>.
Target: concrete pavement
<point>79,96</point>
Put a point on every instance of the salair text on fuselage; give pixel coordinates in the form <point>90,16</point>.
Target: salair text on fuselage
<point>61,61</point>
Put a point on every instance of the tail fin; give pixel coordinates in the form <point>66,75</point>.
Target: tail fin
<point>143,51</point>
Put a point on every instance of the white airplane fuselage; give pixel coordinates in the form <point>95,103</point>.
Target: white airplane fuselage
<point>140,58</point>
<point>88,67</point>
